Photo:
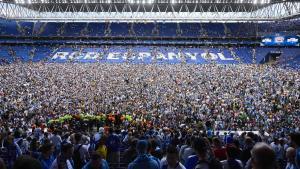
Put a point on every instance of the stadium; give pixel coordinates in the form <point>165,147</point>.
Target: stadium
<point>149,84</point>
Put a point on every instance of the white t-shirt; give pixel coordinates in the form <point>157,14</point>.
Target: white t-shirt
<point>56,140</point>
<point>163,162</point>
<point>225,164</point>
<point>97,137</point>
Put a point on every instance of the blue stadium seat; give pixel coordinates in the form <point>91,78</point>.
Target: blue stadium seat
<point>119,29</point>
<point>143,29</point>
<point>51,29</point>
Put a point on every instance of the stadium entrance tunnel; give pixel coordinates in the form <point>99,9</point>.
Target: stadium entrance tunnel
<point>271,57</point>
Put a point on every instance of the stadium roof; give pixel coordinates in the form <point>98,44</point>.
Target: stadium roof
<point>149,10</point>
<point>255,2</point>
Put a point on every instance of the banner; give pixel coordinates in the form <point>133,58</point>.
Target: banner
<point>147,55</point>
<point>279,40</point>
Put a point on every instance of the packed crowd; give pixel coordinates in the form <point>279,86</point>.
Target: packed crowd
<point>177,113</point>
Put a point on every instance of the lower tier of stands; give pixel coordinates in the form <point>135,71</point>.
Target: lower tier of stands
<point>146,54</point>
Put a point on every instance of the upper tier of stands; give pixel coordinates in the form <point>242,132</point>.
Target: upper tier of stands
<point>210,30</point>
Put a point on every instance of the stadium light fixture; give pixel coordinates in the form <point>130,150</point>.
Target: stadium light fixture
<point>150,1</point>
<point>264,1</point>
<point>20,1</point>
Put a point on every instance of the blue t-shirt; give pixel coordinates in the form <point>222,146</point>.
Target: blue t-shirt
<point>46,163</point>
<point>144,161</point>
<point>155,159</point>
<point>104,165</point>
<point>191,162</point>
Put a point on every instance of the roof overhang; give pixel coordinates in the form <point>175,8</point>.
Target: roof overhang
<point>151,12</point>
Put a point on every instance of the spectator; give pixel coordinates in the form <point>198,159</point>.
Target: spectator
<point>96,162</point>
<point>279,151</point>
<point>171,161</point>
<point>263,157</point>
<point>10,151</point>
<point>232,162</point>
<point>157,154</point>
<point>246,152</point>
<point>34,148</point>
<point>183,147</point>
<point>295,140</point>
<point>155,150</point>
<point>27,162</point>
<point>113,148</point>
<point>219,150</point>
<point>101,148</point>
<point>130,154</point>
<point>46,158</point>
<point>64,159</point>
<point>81,154</point>
<point>187,151</point>
<point>23,144</point>
<point>98,135</point>
<point>204,160</point>
<point>56,140</point>
<point>290,156</point>
<point>143,160</point>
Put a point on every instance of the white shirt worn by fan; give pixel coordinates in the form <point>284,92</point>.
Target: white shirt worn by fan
<point>164,162</point>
